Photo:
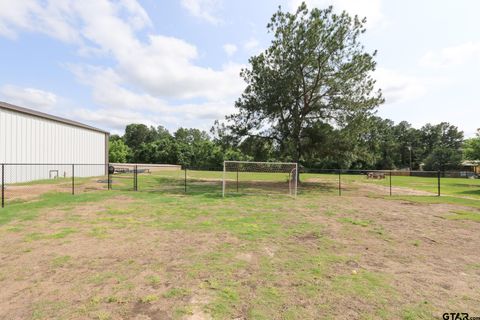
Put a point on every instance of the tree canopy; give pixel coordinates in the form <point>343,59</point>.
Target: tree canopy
<point>315,74</point>
<point>382,144</point>
<point>118,150</point>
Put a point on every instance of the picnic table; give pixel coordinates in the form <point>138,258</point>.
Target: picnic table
<point>376,175</point>
<point>128,170</point>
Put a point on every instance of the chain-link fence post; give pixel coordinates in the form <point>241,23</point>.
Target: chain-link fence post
<point>390,183</point>
<point>109,181</point>
<point>3,185</point>
<point>339,182</point>
<point>185,179</point>
<point>73,179</point>
<point>438,183</point>
<point>135,178</point>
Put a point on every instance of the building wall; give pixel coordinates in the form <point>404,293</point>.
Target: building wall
<point>29,139</point>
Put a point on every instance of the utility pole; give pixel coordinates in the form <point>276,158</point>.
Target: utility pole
<point>410,149</point>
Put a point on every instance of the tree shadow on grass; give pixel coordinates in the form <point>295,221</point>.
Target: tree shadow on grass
<point>212,188</point>
<point>317,187</point>
<point>471,192</point>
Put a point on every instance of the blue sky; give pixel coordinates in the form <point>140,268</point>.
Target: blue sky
<point>176,63</point>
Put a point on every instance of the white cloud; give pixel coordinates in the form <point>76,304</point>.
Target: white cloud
<point>117,105</point>
<point>252,45</point>
<point>137,16</point>
<point>112,96</point>
<point>452,56</point>
<point>145,75</point>
<point>32,97</point>
<point>64,20</point>
<point>114,119</point>
<point>397,86</point>
<point>30,15</point>
<point>165,67</point>
<point>203,9</point>
<point>230,49</point>
<point>363,8</point>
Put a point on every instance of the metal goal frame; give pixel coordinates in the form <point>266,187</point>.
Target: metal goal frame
<point>292,180</point>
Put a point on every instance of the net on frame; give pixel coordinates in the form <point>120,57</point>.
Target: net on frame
<point>272,178</point>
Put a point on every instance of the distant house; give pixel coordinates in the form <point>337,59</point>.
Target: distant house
<point>471,166</point>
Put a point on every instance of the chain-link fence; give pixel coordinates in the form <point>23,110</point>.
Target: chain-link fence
<point>202,180</point>
<point>391,183</point>
<point>24,182</point>
<point>122,177</point>
<point>179,179</point>
<point>372,182</point>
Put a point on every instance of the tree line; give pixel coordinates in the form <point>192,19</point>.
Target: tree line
<point>382,145</point>
<point>310,98</point>
<point>188,147</point>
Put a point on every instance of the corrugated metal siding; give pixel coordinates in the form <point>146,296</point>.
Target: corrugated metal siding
<point>29,139</point>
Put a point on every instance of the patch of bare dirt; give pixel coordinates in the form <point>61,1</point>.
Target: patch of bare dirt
<point>247,257</point>
<point>270,250</point>
<point>29,192</point>
<point>197,302</point>
<point>428,257</point>
<point>395,190</point>
<point>125,273</point>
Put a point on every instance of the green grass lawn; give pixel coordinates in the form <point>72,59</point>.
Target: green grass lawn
<point>196,181</point>
<point>460,187</point>
<point>175,180</point>
<point>448,186</point>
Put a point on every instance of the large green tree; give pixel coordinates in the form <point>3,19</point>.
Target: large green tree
<point>441,146</point>
<point>136,134</point>
<point>408,146</point>
<point>443,135</point>
<point>315,71</point>
<point>386,145</point>
<point>442,158</point>
<point>118,151</point>
<point>194,148</point>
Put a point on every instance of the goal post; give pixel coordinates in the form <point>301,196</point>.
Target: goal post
<point>260,177</point>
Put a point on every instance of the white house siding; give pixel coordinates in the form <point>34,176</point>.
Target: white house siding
<point>28,139</point>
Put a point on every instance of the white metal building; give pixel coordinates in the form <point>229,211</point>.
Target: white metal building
<point>31,137</point>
